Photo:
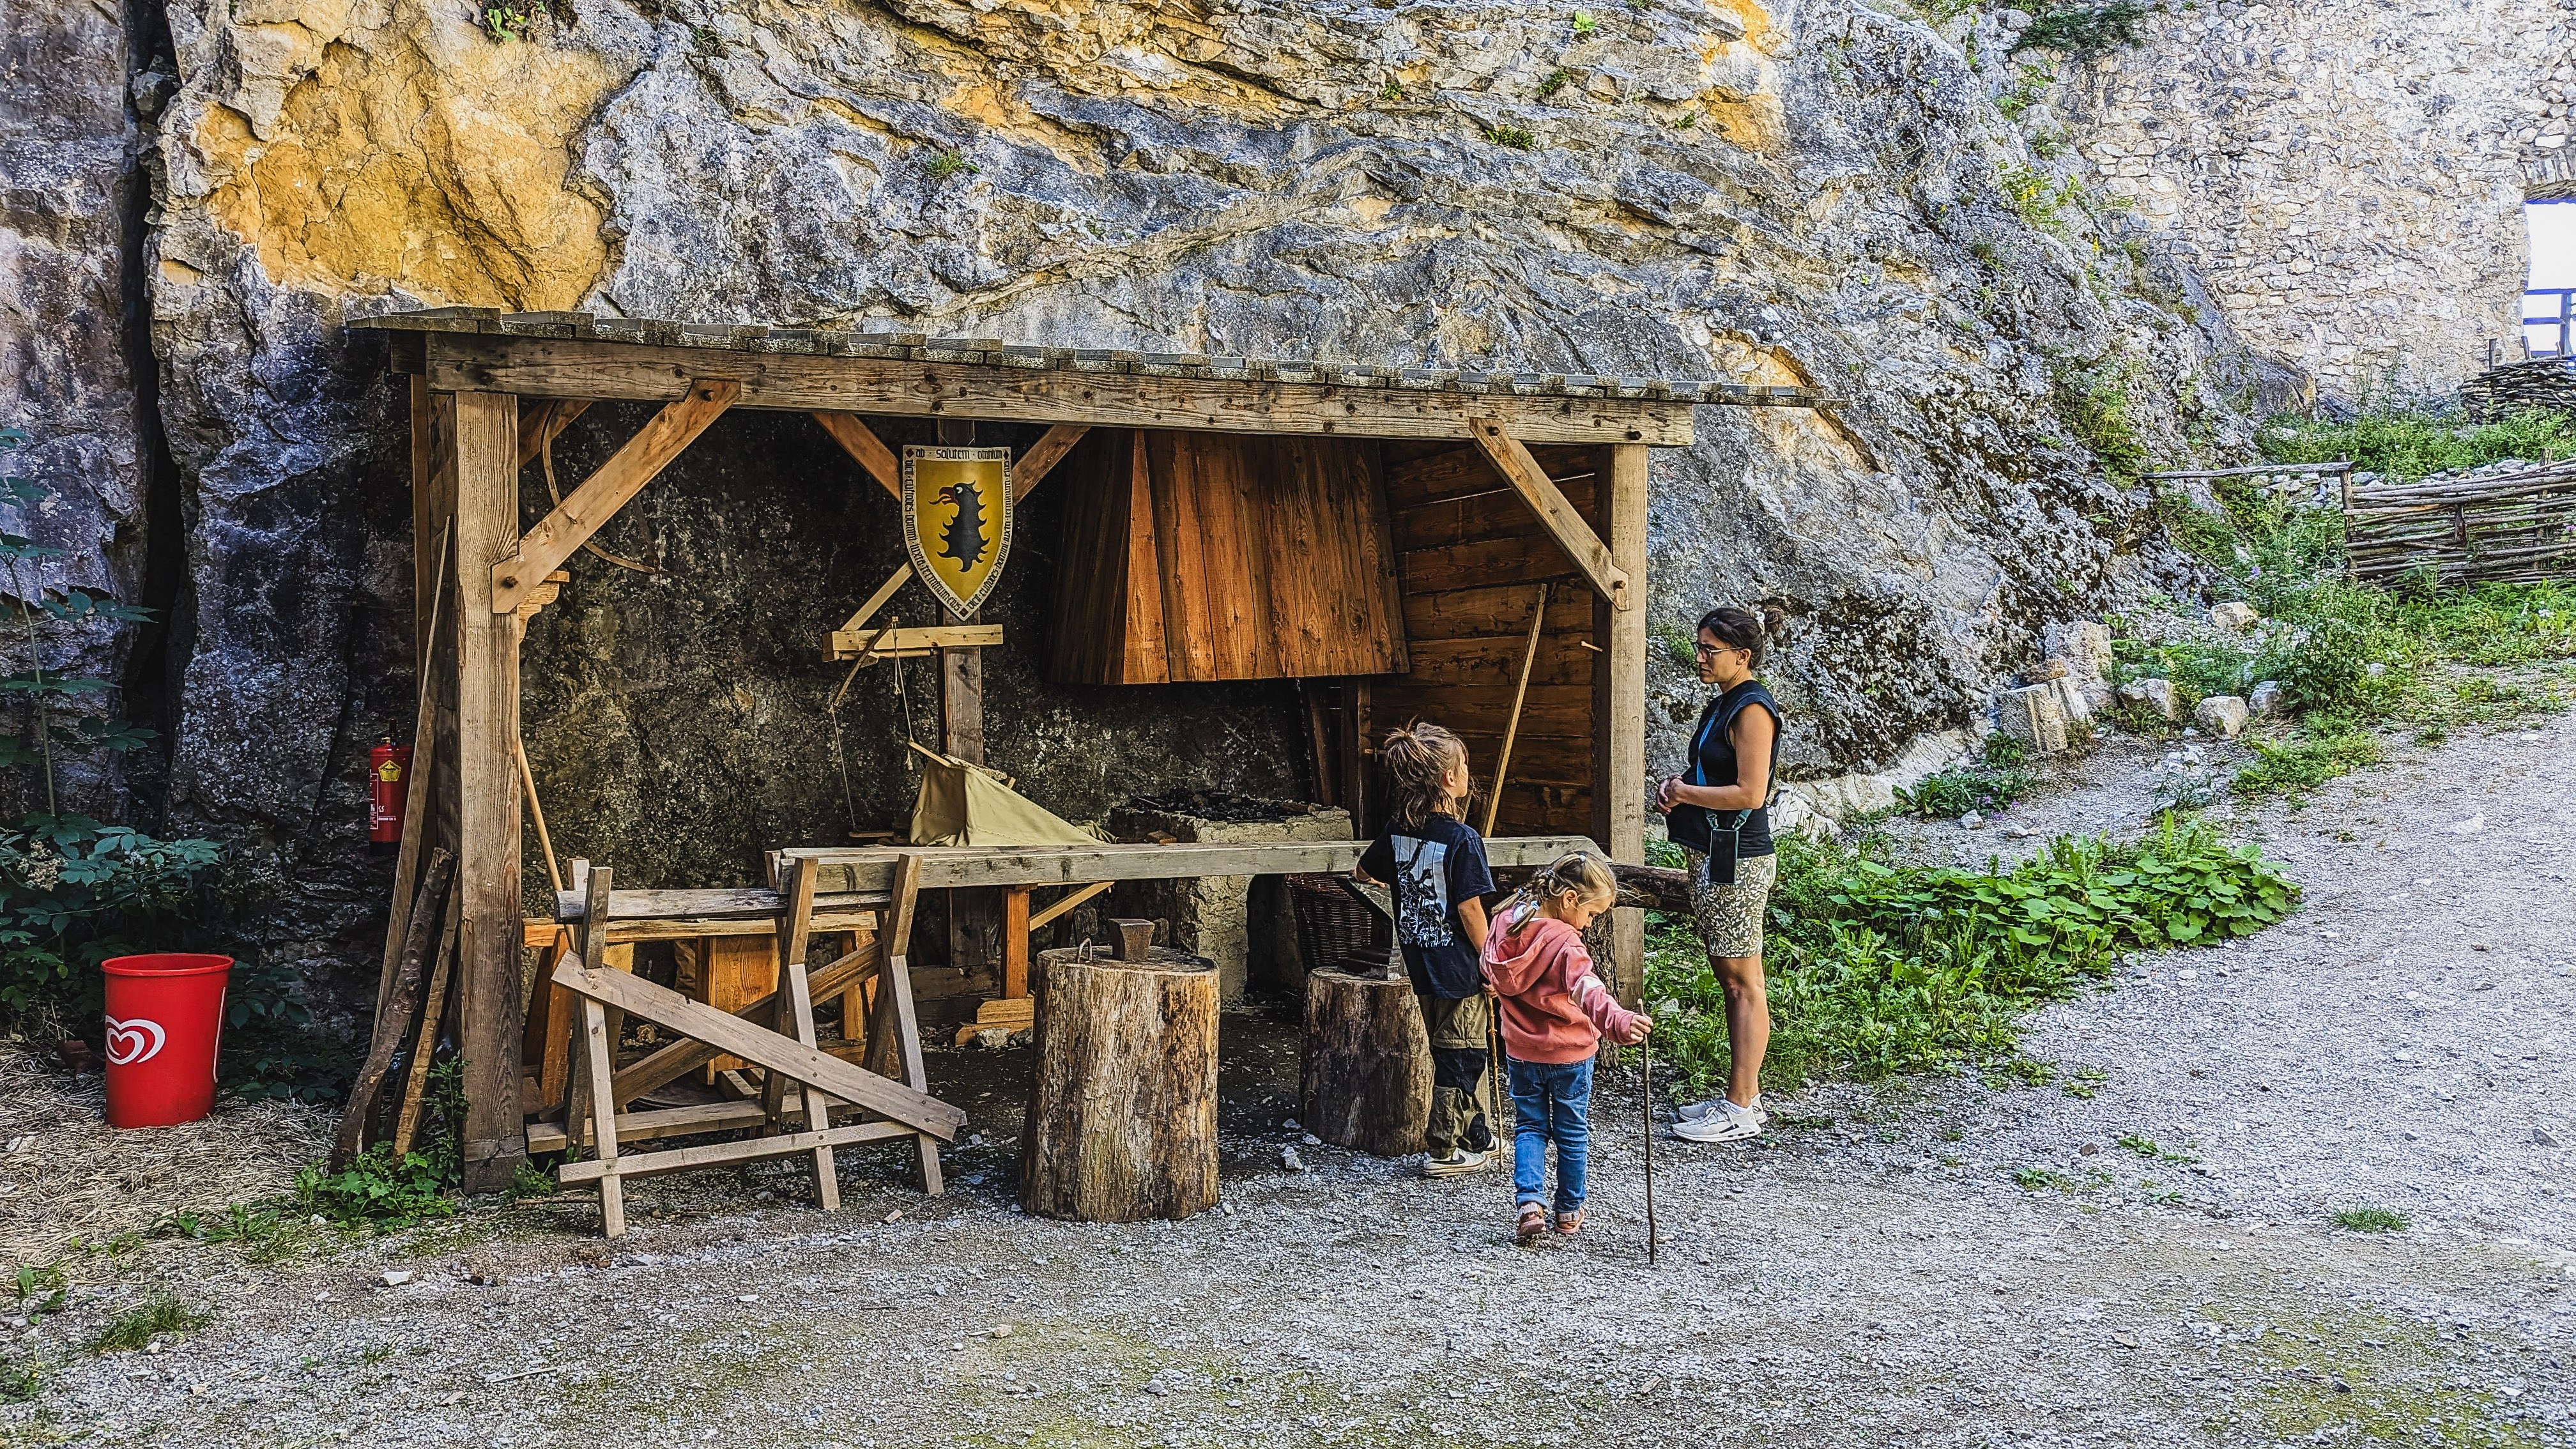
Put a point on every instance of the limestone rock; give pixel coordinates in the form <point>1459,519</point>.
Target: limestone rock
<point>2033,715</point>
<point>2156,694</point>
<point>2221,714</point>
<point>2236,618</point>
<point>2265,699</point>
<point>2045,671</point>
<point>2084,644</point>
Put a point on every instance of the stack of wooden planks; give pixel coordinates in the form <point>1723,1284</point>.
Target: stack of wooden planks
<point>2507,527</point>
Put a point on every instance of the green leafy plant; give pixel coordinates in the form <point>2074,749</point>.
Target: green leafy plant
<point>2082,31</point>
<point>511,20</point>
<point>1877,969</point>
<point>2093,401</point>
<point>2146,1147</point>
<point>2030,83</point>
<point>2371,1220</point>
<point>378,1188</point>
<point>138,1326</point>
<point>2040,1179</point>
<point>1584,24</point>
<point>1985,786</point>
<point>1686,120</point>
<point>947,164</point>
<point>1516,137</point>
<point>1555,82</point>
<point>1391,91</point>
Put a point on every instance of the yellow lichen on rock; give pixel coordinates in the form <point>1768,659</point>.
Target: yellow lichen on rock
<point>425,158</point>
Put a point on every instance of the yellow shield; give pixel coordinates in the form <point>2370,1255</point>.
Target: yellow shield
<point>957,520</point>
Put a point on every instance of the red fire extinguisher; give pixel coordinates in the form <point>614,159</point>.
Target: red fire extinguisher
<point>388,779</point>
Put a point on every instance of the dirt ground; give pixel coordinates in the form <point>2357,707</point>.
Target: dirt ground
<point>2141,1252</point>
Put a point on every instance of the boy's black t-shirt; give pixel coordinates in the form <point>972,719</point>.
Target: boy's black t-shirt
<point>1430,869</point>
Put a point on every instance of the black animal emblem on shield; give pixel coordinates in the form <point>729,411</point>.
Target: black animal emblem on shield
<point>963,539</point>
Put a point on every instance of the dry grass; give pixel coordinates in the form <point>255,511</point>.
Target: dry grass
<point>65,1174</point>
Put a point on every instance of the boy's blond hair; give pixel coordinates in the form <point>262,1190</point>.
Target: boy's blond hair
<point>1419,759</point>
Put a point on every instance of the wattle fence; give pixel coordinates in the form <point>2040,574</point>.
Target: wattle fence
<point>2514,527</point>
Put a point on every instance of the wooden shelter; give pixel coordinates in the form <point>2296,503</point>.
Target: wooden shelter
<point>1464,546</point>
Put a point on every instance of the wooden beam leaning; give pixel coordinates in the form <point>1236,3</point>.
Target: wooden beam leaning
<point>1032,467</point>
<point>486,792</point>
<point>869,869</point>
<point>898,387</point>
<point>862,443</point>
<point>797,1014</point>
<point>919,1111</point>
<point>1512,459</point>
<point>545,422</point>
<point>597,500</point>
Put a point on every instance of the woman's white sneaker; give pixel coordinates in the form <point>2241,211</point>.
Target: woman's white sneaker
<point>1693,1111</point>
<point>1723,1122</point>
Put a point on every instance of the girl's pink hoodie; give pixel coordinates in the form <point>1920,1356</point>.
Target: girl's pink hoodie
<point>1555,1010</point>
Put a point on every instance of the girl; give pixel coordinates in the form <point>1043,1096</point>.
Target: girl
<point>1720,817</point>
<point>1435,863</point>
<point>1555,1012</point>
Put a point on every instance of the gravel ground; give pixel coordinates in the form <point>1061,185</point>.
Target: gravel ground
<point>2139,1253</point>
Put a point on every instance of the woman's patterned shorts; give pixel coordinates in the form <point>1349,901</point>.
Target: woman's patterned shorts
<point>1730,916</point>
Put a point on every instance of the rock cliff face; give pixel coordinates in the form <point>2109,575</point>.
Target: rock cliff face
<point>1819,192</point>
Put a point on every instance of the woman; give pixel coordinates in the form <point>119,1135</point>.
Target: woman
<point>1718,813</point>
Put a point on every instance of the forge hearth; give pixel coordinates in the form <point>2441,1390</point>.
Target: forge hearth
<point>1240,922</point>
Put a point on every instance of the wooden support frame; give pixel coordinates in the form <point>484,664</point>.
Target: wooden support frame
<point>487,789</point>
<point>796,1014</point>
<point>1619,713</point>
<point>1511,458</point>
<point>562,532</point>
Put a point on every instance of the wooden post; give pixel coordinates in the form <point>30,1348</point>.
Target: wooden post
<point>971,913</point>
<point>1619,709</point>
<point>487,790</point>
<point>1015,942</point>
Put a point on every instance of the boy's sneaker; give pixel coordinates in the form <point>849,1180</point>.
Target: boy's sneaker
<point>1693,1111</point>
<point>1459,1162</point>
<point>1725,1122</point>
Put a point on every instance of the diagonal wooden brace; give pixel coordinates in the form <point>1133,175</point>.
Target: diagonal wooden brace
<point>683,1057</point>
<point>799,1062</point>
<point>1511,459</point>
<point>597,500</point>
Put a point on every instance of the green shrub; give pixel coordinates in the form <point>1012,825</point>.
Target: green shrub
<point>2295,767</point>
<point>2408,443</point>
<point>2093,401</point>
<point>1877,969</point>
<point>1516,137</point>
<point>1954,792</point>
<point>378,1188</point>
<point>2327,668</point>
<point>2083,31</point>
<point>2371,1220</point>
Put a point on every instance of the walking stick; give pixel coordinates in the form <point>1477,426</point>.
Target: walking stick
<point>1646,1057</point>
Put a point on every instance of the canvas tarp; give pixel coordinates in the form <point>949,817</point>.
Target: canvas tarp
<point>966,804</point>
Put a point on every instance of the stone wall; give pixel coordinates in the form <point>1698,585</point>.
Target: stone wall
<point>1814,191</point>
<point>2347,176</point>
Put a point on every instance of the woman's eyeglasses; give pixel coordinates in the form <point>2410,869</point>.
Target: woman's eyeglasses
<point>1711,651</point>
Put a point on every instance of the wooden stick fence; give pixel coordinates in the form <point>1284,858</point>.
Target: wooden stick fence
<point>2517,527</point>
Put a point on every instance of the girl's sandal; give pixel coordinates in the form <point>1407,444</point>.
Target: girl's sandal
<point>1532,1224</point>
<point>1568,1224</point>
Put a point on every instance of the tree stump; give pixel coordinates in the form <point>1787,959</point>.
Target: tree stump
<point>1364,1077</point>
<point>1122,1113</point>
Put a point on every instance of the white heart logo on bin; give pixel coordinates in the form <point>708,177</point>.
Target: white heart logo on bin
<point>129,1042</point>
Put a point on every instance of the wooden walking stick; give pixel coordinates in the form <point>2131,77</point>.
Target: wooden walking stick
<point>1512,728</point>
<point>1646,1057</point>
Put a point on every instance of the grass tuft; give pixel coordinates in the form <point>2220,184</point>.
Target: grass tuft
<point>137,1327</point>
<point>2371,1220</point>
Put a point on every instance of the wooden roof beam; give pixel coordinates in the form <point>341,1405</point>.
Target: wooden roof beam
<point>599,497</point>
<point>1512,459</point>
<point>862,443</point>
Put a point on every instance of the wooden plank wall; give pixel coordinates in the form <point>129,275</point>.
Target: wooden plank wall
<point>1206,556</point>
<point>1470,559</point>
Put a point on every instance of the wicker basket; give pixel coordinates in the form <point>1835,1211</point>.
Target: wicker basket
<point>1334,930</point>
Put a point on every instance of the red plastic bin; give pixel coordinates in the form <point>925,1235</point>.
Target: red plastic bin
<point>165,1022</point>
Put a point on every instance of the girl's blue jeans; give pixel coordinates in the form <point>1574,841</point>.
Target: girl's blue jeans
<point>1549,1103</point>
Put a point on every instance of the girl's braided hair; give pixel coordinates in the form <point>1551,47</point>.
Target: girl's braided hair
<point>1419,759</point>
<point>1585,874</point>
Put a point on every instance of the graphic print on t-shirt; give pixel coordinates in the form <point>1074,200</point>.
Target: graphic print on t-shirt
<point>1422,892</point>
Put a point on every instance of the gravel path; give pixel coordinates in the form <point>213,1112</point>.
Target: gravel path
<point>2139,1253</point>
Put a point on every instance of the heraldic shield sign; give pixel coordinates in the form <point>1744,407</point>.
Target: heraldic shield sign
<point>957,520</point>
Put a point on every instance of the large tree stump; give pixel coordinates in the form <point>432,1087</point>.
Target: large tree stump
<point>1364,1078</point>
<point>1122,1113</point>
